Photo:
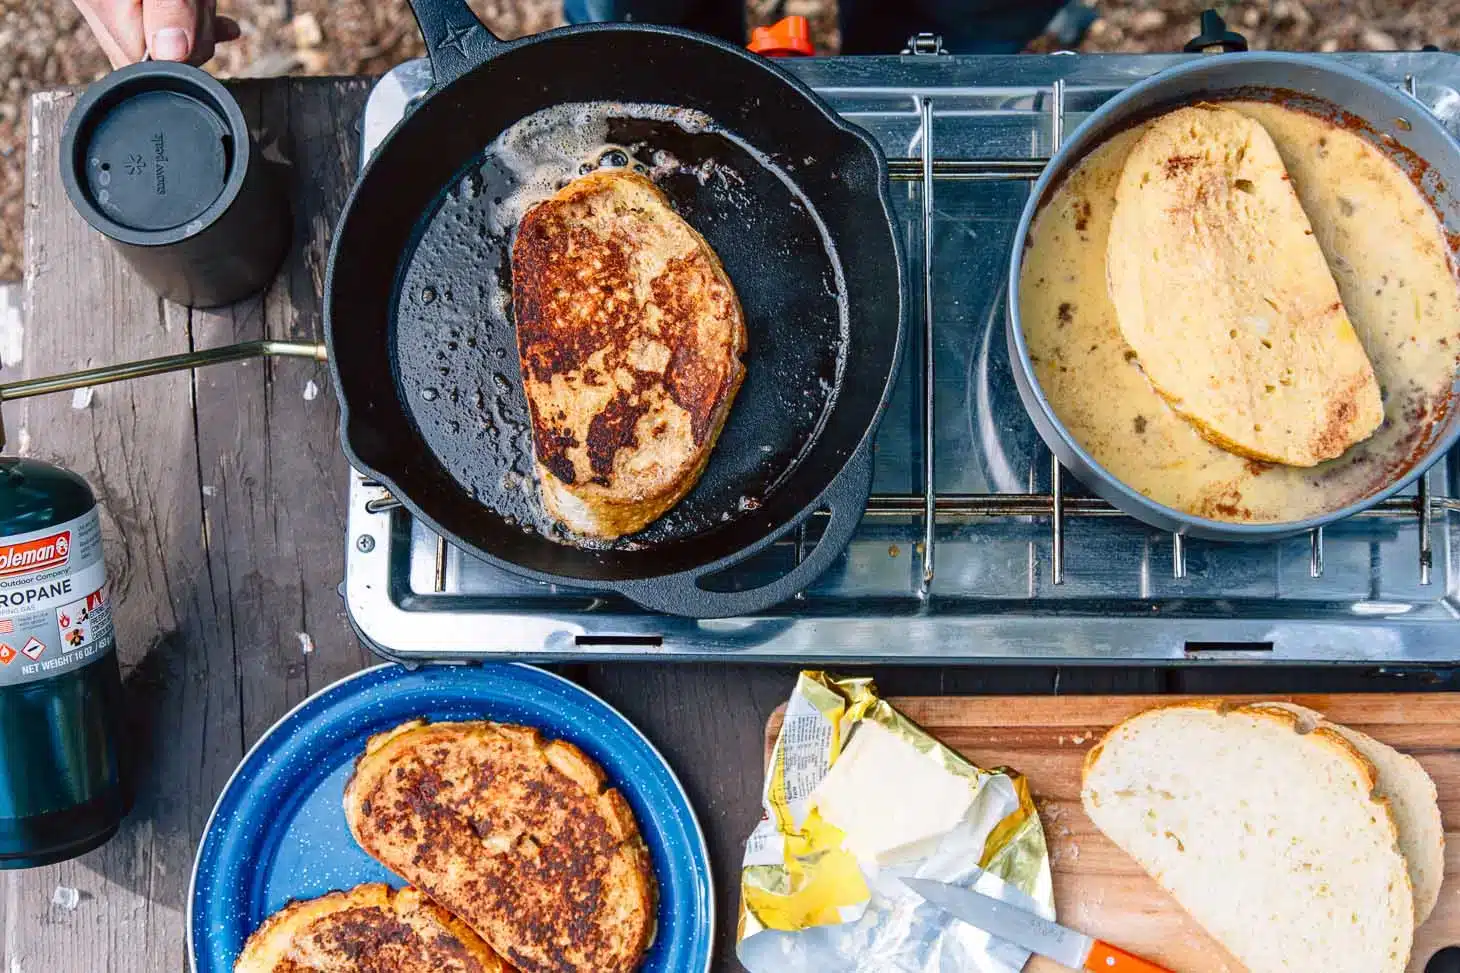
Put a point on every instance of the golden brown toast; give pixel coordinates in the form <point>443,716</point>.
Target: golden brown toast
<point>369,929</point>
<point>1222,291</point>
<point>631,338</point>
<point>520,837</point>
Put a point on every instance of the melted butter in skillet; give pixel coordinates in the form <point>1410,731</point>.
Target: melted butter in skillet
<point>1389,256</point>
<point>455,338</point>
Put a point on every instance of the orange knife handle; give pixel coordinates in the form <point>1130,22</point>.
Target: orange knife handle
<point>1105,958</point>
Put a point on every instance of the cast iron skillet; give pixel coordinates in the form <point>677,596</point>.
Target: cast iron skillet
<point>424,356</point>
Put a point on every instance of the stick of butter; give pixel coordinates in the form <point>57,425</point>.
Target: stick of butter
<point>885,796</point>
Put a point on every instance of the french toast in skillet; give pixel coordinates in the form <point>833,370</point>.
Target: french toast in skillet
<point>631,337</point>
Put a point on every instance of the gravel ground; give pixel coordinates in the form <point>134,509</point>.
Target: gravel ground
<point>44,43</point>
<point>1282,25</point>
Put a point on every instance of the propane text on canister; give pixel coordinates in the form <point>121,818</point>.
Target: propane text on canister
<point>63,790</point>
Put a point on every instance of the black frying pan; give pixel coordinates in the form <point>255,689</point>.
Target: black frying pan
<point>424,354</point>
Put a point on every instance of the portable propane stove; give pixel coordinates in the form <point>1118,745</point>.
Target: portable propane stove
<point>976,546</point>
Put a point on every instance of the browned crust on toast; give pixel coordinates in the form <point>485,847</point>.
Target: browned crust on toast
<point>371,928</point>
<point>521,837</point>
<point>630,336</point>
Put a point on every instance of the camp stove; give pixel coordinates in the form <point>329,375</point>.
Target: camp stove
<point>976,545</point>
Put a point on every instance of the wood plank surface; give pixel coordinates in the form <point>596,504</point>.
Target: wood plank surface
<point>134,444</point>
<point>1098,888</point>
<point>222,497</point>
<point>272,474</point>
<point>317,146</point>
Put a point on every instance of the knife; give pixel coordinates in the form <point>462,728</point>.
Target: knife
<point>1006,921</point>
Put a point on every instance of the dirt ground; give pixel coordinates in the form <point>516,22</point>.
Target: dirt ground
<point>47,43</point>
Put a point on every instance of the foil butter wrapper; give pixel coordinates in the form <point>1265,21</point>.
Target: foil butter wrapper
<point>809,905</point>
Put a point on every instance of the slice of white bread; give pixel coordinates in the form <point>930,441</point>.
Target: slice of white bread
<point>1270,838</point>
<point>1412,799</point>
<point>1222,291</point>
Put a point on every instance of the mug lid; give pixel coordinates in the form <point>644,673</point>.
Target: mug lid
<point>151,150</point>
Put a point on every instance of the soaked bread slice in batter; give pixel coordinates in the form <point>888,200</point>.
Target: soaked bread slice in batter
<point>1223,293</point>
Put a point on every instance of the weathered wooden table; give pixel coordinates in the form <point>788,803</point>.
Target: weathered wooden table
<point>223,497</point>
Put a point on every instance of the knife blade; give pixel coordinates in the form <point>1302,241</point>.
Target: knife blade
<point>1024,929</point>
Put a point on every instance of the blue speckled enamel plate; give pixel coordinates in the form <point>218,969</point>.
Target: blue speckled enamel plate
<point>278,830</point>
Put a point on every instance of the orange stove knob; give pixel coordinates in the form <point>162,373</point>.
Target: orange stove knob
<point>788,37</point>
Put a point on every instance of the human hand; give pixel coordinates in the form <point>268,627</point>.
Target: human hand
<point>168,30</point>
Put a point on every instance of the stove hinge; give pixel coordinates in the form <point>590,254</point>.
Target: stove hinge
<point>924,44</point>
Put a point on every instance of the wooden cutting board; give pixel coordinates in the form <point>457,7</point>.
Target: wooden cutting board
<point>1098,888</point>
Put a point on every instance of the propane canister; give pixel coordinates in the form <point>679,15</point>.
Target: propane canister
<point>62,786</point>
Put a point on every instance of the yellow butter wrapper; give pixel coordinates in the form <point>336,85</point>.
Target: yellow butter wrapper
<point>796,875</point>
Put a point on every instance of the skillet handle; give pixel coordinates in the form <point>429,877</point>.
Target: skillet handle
<point>681,594</point>
<point>456,40</point>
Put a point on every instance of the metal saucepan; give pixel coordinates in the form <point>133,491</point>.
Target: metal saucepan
<point>426,371</point>
<point>1388,117</point>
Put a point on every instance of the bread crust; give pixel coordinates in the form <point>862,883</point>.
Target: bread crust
<point>1222,707</point>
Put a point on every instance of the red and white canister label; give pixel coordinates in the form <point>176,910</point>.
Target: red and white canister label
<point>54,610</point>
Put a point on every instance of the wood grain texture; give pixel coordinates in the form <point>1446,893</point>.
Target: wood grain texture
<point>273,478</point>
<point>317,145</point>
<point>1099,889</point>
<point>222,498</point>
<point>134,444</point>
